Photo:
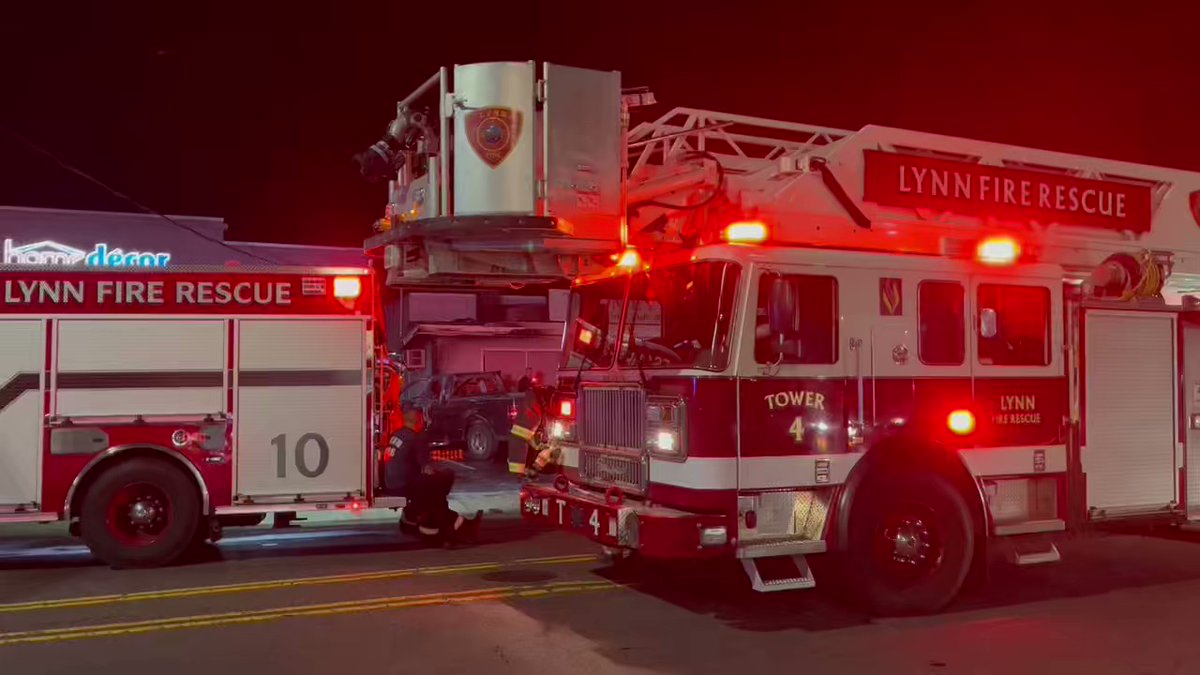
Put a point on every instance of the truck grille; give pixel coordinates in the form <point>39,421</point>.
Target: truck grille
<point>613,417</point>
<point>608,468</point>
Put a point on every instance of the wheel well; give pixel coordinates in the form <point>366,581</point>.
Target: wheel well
<point>114,456</point>
<point>474,417</point>
<point>911,453</point>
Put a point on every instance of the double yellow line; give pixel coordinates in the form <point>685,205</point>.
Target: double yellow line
<point>326,609</point>
<point>177,593</point>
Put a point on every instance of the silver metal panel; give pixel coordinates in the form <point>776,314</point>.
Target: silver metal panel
<point>22,359</point>
<point>503,93</point>
<point>613,417</point>
<point>140,366</point>
<point>301,408</point>
<point>78,441</point>
<point>1191,393</point>
<point>301,344</point>
<point>603,468</point>
<point>1129,453</point>
<point>125,345</point>
<point>583,149</point>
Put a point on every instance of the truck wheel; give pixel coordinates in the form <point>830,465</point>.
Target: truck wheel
<point>910,544</point>
<point>140,513</point>
<point>481,441</point>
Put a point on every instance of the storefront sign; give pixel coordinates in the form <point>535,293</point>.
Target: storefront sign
<point>894,179</point>
<point>53,253</point>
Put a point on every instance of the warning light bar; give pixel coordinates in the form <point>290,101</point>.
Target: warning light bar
<point>347,288</point>
<point>629,259</point>
<point>998,251</point>
<point>745,232</point>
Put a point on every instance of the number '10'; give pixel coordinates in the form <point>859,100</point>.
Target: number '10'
<point>281,452</point>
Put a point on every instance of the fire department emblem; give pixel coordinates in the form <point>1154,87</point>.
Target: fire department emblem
<point>891,299</point>
<point>1194,198</point>
<point>493,133</point>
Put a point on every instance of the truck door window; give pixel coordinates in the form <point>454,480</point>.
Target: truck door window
<point>472,386</point>
<point>593,320</point>
<point>940,315</point>
<point>1022,335</point>
<point>679,316</point>
<point>813,335</point>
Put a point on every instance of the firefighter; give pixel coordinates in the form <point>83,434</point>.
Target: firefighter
<point>529,429</point>
<point>526,381</point>
<point>410,473</point>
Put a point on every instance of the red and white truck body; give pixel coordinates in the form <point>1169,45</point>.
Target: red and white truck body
<point>146,405</point>
<point>894,347</point>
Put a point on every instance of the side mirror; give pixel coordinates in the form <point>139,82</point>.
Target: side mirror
<point>987,323</point>
<point>781,307</point>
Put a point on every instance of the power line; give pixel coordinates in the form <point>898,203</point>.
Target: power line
<point>66,166</point>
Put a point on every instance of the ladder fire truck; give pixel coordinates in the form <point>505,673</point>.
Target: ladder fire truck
<point>894,349</point>
<point>150,406</point>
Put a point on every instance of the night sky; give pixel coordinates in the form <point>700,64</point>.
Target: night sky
<point>251,111</point>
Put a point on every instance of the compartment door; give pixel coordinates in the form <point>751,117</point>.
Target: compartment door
<point>302,387</point>
<point>1129,450</point>
<point>22,361</point>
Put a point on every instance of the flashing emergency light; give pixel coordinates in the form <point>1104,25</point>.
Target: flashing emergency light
<point>566,408</point>
<point>998,251</point>
<point>629,259</point>
<point>961,422</point>
<point>347,288</point>
<point>745,232</point>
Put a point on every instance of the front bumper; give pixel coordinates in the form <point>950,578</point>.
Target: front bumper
<point>653,531</point>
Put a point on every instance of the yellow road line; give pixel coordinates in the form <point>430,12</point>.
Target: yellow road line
<point>176,593</point>
<point>325,609</point>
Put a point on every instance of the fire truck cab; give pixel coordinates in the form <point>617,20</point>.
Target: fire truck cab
<point>892,348</point>
<point>148,407</point>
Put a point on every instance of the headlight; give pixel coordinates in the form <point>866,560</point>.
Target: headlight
<point>667,441</point>
<point>561,414</point>
<point>562,430</point>
<point>665,426</point>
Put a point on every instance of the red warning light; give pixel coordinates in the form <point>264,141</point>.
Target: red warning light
<point>961,422</point>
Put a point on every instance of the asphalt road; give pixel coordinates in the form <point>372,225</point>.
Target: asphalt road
<point>356,596</point>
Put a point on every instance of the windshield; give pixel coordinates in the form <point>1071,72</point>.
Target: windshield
<point>679,317</point>
<point>592,323</point>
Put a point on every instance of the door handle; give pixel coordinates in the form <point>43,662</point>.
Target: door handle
<point>856,347</point>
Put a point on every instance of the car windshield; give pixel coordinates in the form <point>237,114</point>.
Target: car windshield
<point>679,317</point>
<point>592,324</point>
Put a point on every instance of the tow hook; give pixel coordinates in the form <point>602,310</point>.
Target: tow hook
<point>614,496</point>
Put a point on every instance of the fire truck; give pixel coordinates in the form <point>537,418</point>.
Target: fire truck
<point>888,350</point>
<point>151,406</point>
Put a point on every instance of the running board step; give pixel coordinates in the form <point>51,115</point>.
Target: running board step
<point>781,547</point>
<point>1042,557</point>
<point>779,573</point>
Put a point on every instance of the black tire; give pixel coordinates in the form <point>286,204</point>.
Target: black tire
<point>480,441</point>
<point>169,514</point>
<point>910,544</point>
